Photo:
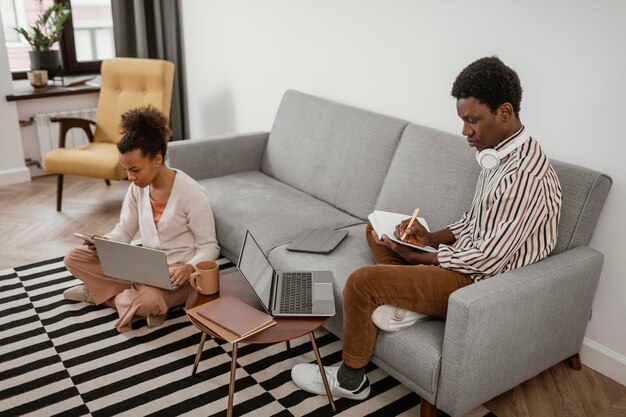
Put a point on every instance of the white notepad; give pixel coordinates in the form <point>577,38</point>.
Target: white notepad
<point>385,222</point>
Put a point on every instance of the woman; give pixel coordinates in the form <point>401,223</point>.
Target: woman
<point>171,212</point>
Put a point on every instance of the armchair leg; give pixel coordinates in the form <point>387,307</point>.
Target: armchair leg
<point>59,191</point>
<point>574,362</point>
<point>427,409</point>
<point>107,182</point>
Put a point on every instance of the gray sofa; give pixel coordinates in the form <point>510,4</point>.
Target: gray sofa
<point>326,164</point>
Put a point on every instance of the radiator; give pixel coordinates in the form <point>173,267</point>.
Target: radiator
<point>48,132</point>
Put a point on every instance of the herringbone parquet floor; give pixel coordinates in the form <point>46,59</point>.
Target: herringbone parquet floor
<point>32,231</point>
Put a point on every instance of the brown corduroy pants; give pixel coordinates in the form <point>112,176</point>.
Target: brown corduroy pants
<point>420,288</point>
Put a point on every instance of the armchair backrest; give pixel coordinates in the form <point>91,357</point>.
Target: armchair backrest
<point>128,83</point>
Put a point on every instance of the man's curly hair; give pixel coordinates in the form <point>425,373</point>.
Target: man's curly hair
<point>490,82</point>
<point>144,128</point>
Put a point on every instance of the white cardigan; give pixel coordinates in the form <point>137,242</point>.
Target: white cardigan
<point>186,231</point>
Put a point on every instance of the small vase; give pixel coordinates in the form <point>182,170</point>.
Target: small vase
<point>46,60</point>
<point>38,78</point>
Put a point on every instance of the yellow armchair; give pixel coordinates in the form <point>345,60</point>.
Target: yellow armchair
<point>127,83</point>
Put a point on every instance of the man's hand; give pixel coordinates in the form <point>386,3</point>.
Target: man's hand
<point>416,234</point>
<point>412,256</point>
<point>180,273</point>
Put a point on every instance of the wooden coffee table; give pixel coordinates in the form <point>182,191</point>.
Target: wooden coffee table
<point>284,330</point>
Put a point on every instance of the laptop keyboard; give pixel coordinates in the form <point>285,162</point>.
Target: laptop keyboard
<point>296,293</point>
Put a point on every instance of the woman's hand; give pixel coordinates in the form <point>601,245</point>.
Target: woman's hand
<point>416,234</point>
<point>90,243</point>
<point>180,273</point>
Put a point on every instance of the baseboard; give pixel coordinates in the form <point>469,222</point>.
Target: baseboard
<point>14,176</point>
<point>604,360</point>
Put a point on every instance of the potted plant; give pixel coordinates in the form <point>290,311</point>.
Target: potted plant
<point>44,33</point>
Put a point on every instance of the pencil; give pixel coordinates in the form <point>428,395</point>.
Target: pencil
<point>415,213</point>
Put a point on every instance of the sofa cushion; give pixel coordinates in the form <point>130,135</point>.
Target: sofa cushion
<point>274,212</point>
<point>584,193</point>
<point>332,151</point>
<point>352,253</point>
<point>433,170</point>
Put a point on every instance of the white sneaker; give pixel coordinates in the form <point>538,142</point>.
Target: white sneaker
<point>78,293</point>
<point>392,319</point>
<point>307,376</point>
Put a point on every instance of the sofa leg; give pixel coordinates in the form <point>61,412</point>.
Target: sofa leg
<point>574,362</point>
<point>59,191</point>
<point>107,182</point>
<point>427,409</point>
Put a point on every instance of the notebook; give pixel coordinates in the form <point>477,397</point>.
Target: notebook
<point>317,240</point>
<point>385,222</point>
<point>134,263</point>
<point>239,318</point>
<point>285,294</point>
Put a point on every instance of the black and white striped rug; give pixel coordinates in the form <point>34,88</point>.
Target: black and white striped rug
<point>60,357</point>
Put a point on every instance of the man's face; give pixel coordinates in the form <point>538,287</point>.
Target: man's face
<point>482,127</point>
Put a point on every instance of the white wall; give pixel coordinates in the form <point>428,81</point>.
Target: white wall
<point>400,58</point>
<point>12,168</point>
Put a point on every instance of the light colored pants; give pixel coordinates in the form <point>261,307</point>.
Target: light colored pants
<point>128,298</point>
<point>420,288</point>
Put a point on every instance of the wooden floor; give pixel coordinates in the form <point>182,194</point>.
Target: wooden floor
<point>37,231</point>
<point>32,231</point>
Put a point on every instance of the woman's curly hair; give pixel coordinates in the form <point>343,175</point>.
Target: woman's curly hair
<point>490,82</point>
<point>144,128</point>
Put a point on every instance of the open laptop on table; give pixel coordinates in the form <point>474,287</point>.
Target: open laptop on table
<point>134,263</point>
<point>285,294</point>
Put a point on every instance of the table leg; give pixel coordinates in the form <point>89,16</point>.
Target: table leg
<point>322,372</point>
<point>199,353</point>
<point>231,388</point>
<point>288,345</point>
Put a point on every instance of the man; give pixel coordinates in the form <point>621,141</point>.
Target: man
<point>512,222</point>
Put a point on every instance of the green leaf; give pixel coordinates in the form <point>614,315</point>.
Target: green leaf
<point>48,27</point>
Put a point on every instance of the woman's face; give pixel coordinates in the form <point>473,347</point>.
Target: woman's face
<point>141,170</point>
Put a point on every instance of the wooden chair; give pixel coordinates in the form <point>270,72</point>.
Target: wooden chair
<point>127,83</point>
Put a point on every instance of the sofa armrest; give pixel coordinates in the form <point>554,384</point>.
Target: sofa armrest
<point>215,157</point>
<point>507,329</point>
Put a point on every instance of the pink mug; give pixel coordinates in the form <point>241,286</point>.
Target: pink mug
<point>206,279</point>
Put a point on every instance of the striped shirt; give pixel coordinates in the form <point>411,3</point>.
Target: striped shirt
<point>513,219</point>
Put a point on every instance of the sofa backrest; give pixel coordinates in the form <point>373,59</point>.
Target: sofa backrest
<point>335,152</point>
<point>584,194</point>
<point>433,170</point>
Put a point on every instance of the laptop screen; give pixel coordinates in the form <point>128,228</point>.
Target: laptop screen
<point>256,269</point>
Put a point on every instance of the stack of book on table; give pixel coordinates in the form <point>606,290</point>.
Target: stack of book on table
<point>231,319</point>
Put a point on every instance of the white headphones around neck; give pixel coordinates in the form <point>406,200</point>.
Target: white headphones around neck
<point>490,158</point>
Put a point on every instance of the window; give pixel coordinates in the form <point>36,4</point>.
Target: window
<point>87,35</point>
<point>17,13</point>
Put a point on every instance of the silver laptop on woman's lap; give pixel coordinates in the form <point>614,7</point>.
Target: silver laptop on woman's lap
<point>286,294</point>
<point>134,263</point>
